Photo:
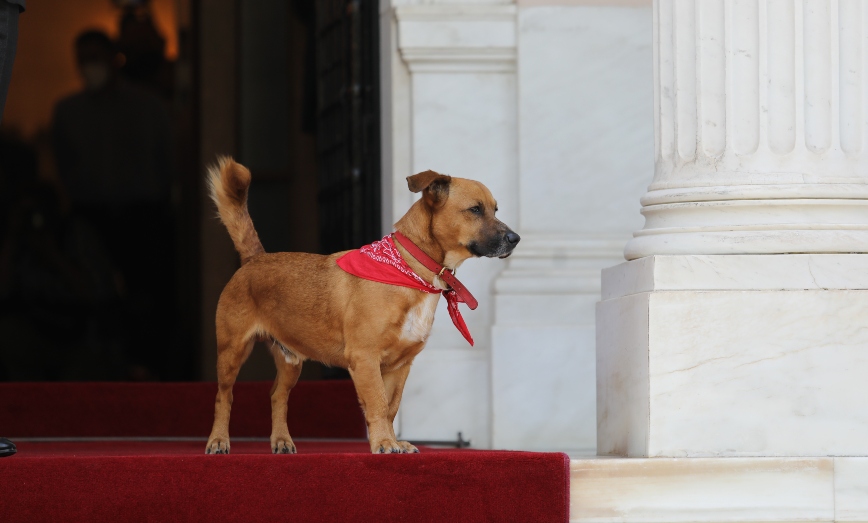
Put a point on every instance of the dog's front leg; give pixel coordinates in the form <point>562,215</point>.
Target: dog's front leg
<point>394,381</point>
<point>372,396</point>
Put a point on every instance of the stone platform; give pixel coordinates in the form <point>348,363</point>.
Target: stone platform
<point>736,356</point>
<point>717,490</point>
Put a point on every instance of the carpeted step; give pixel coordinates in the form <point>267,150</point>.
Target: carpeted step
<point>152,467</point>
<point>174,481</point>
<point>317,409</point>
<point>40,448</point>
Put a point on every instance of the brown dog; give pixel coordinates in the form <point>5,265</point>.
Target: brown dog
<point>315,310</point>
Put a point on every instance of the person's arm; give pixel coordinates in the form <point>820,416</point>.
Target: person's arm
<point>9,10</point>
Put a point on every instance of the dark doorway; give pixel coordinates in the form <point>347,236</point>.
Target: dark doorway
<point>288,88</point>
<point>348,115</point>
<point>308,128</point>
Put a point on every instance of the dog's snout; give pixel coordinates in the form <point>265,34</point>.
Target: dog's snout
<point>512,237</point>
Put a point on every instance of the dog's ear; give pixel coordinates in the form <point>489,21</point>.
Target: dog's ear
<point>435,185</point>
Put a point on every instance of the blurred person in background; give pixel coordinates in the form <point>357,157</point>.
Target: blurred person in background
<point>9,11</point>
<point>144,51</point>
<point>111,144</point>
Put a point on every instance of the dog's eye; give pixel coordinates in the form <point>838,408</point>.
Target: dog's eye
<point>475,209</point>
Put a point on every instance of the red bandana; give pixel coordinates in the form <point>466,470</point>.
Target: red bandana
<point>382,262</point>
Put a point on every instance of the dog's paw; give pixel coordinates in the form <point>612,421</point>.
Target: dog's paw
<point>282,446</point>
<point>217,445</point>
<point>408,447</point>
<point>387,446</point>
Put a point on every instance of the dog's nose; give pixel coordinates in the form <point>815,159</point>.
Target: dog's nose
<point>512,237</point>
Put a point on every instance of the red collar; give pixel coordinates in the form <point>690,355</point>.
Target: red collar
<point>441,271</point>
<point>382,262</point>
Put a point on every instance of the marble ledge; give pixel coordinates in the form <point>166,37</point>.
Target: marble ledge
<point>456,26</point>
<point>736,272</point>
<point>547,282</point>
<point>568,246</point>
<point>453,38</point>
<point>584,3</point>
<point>607,490</point>
<point>459,60</point>
<point>558,264</point>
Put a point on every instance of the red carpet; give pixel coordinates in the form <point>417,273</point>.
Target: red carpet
<point>55,449</point>
<point>109,481</point>
<point>317,409</point>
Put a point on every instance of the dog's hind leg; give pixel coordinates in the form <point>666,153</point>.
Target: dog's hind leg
<point>231,354</point>
<point>287,377</point>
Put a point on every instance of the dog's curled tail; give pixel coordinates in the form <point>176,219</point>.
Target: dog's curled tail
<point>228,182</point>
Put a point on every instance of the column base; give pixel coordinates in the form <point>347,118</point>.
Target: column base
<point>719,490</point>
<point>753,219</point>
<point>735,242</point>
<point>742,355</point>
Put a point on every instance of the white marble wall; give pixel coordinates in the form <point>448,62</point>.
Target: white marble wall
<point>586,140</point>
<point>583,153</point>
<point>455,97</point>
<point>536,101</point>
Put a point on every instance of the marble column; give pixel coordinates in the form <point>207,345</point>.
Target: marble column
<point>707,344</point>
<point>760,129</point>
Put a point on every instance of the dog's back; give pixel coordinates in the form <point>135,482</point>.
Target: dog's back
<point>253,304</point>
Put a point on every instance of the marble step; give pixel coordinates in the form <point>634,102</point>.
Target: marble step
<point>717,490</point>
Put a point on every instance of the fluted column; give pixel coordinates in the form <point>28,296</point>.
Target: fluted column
<point>760,129</point>
<point>706,345</point>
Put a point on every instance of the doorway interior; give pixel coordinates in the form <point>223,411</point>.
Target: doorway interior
<point>305,119</point>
